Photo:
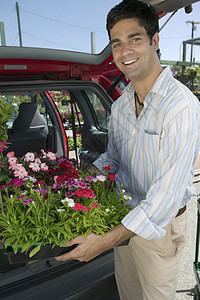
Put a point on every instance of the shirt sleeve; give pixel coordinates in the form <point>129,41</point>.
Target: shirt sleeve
<point>174,171</point>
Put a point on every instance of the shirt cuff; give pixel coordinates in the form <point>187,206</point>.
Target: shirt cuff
<point>138,222</point>
<point>104,161</point>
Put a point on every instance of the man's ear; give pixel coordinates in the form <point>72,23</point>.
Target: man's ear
<point>155,41</point>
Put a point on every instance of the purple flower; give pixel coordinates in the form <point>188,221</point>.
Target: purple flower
<point>69,194</point>
<point>29,200</point>
<point>89,178</point>
<point>3,146</point>
<point>4,186</point>
<point>21,197</point>
<point>41,191</point>
<point>17,182</point>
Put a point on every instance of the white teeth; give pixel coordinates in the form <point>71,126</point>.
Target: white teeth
<point>130,62</point>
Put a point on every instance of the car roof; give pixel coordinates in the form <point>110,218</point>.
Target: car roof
<point>32,62</point>
<point>169,5</point>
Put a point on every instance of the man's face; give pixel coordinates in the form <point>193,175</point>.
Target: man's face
<point>133,52</point>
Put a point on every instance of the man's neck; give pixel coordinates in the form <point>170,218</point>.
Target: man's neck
<point>144,86</point>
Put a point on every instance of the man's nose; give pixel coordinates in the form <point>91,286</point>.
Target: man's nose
<point>126,49</point>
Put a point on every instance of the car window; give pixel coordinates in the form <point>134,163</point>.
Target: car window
<point>62,100</point>
<point>17,99</point>
<point>102,115</point>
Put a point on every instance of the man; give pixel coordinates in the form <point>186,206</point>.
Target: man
<point>153,144</point>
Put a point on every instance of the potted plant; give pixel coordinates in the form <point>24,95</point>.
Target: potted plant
<point>48,201</point>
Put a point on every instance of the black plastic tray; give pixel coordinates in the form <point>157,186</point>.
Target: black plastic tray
<point>45,252</point>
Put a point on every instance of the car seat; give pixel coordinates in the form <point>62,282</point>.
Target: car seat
<point>29,131</point>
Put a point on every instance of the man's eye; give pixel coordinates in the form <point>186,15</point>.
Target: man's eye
<point>116,45</point>
<point>135,40</point>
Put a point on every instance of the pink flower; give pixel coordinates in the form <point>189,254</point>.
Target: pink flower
<point>15,166</point>
<point>81,184</point>
<point>43,152</point>
<point>38,161</point>
<point>35,167</point>
<point>12,161</point>
<point>10,154</point>
<point>51,155</point>
<point>3,146</point>
<point>29,157</point>
<point>44,167</point>
<point>20,172</point>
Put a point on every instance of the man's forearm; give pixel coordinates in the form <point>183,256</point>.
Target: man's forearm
<point>118,235</point>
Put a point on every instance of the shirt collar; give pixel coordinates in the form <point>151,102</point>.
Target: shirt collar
<point>160,88</point>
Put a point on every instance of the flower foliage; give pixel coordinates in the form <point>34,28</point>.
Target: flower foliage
<point>48,200</point>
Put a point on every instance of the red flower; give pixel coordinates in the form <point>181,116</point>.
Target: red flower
<point>107,168</point>
<point>111,176</point>
<point>95,205</point>
<point>87,193</point>
<point>65,165</point>
<point>62,178</point>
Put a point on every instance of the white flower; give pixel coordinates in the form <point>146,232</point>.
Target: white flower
<point>69,201</point>
<point>60,210</point>
<point>30,178</point>
<point>107,210</point>
<point>101,178</point>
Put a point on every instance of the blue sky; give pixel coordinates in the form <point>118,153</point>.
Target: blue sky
<point>67,24</point>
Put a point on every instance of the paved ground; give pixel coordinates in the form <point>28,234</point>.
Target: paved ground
<point>187,279</point>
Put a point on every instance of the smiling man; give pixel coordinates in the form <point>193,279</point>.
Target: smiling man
<point>153,144</point>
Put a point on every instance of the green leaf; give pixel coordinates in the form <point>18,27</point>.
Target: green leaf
<point>35,250</point>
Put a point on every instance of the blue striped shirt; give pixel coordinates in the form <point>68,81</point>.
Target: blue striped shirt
<point>153,155</point>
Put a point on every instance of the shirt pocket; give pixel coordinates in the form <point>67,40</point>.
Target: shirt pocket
<point>150,149</point>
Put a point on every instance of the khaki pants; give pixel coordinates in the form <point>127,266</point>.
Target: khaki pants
<point>147,269</point>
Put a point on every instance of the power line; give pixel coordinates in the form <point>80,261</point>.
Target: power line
<point>66,46</point>
<point>61,22</point>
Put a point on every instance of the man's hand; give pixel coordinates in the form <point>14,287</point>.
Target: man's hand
<point>87,248</point>
<point>93,169</point>
<point>90,247</point>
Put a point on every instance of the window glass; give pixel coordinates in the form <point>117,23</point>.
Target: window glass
<point>62,101</point>
<point>15,100</point>
<point>103,116</point>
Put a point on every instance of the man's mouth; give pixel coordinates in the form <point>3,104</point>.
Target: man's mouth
<point>129,62</point>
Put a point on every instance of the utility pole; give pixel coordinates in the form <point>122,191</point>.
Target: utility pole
<point>192,36</point>
<point>19,27</point>
<point>93,50</point>
<point>2,31</point>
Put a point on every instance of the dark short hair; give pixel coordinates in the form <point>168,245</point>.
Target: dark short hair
<point>128,9</point>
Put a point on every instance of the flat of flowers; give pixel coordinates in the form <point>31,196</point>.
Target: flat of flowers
<point>45,252</point>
